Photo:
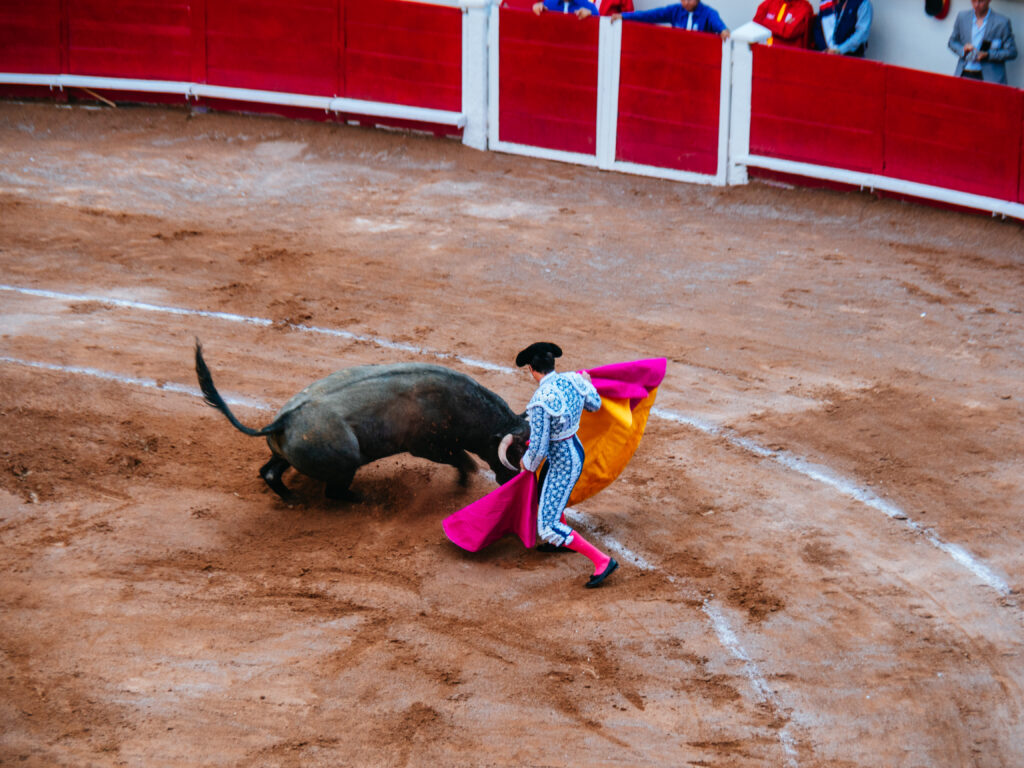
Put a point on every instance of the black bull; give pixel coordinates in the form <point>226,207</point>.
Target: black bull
<point>364,413</point>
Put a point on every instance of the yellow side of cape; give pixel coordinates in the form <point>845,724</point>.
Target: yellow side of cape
<point>610,437</point>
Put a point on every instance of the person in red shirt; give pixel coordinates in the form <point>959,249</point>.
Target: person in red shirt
<point>788,20</point>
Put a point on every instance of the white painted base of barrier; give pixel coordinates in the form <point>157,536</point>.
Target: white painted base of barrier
<point>250,95</point>
<point>872,181</point>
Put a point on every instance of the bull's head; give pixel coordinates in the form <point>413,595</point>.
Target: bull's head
<point>510,448</point>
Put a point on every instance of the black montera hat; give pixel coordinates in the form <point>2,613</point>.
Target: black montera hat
<point>535,350</point>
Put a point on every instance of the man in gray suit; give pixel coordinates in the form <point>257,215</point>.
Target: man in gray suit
<point>983,40</point>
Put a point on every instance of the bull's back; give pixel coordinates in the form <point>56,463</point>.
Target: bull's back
<point>387,408</point>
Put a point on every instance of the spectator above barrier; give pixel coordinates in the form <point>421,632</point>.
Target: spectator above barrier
<point>789,21</point>
<point>692,15</point>
<point>581,8</point>
<point>843,27</point>
<point>983,42</point>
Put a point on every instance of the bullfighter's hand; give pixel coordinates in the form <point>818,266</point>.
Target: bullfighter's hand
<point>538,8</point>
<point>582,13</point>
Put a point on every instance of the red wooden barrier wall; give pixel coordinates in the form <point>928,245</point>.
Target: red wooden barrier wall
<point>816,108</point>
<point>953,133</point>
<point>404,53</point>
<point>901,123</point>
<point>275,45</point>
<point>149,39</point>
<point>30,37</point>
<point>548,70</point>
<point>1020,191</point>
<point>670,85</point>
<point>395,52</point>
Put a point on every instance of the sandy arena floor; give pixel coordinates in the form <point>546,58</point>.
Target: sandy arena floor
<point>821,535</point>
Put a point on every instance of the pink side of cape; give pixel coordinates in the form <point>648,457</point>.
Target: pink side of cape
<point>509,508</point>
<point>633,380</point>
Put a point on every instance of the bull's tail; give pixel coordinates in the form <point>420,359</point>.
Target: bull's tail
<point>212,397</point>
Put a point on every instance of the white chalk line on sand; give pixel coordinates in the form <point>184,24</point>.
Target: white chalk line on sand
<point>263,322</point>
<point>165,386</point>
<point>825,476</point>
<point>765,694</point>
<point>801,466</point>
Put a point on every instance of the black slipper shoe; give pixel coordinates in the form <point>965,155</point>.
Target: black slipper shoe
<point>597,578</point>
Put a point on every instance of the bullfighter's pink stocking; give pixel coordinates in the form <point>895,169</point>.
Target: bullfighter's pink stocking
<point>584,547</point>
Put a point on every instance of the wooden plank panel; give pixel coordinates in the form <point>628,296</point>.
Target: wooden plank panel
<point>130,38</point>
<point>274,45</point>
<point>548,71</point>
<point>30,37</point>
<point>669,97</point>
<point>404,53</point>
<point>820,109</point>
<point>953,133</point>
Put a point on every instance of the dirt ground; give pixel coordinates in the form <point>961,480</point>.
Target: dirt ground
<point>820,535</point>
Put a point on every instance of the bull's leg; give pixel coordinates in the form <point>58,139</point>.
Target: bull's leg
<point>272,471</point>
<point>466,466</point>
<point>455,457</point>
<point>338,488</point>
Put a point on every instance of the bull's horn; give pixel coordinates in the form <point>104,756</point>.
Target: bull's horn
<point>506,441</point>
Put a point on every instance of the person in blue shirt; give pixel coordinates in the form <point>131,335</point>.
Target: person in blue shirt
<point>842,27</point>
<point>581,8</point>
<point>686,14</point>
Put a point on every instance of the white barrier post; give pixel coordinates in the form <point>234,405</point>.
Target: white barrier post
<point>609,54</point>
<point>493,77</point>
<point>741,40</point>
<point>475,18</point>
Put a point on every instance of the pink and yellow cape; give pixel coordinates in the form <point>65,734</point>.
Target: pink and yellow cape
<point>610,437</point>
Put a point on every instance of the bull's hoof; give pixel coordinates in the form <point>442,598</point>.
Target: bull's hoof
<point>337,493</point>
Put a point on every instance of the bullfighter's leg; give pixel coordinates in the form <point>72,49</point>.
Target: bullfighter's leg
<point>545,546</point>
<point>272,471</point>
